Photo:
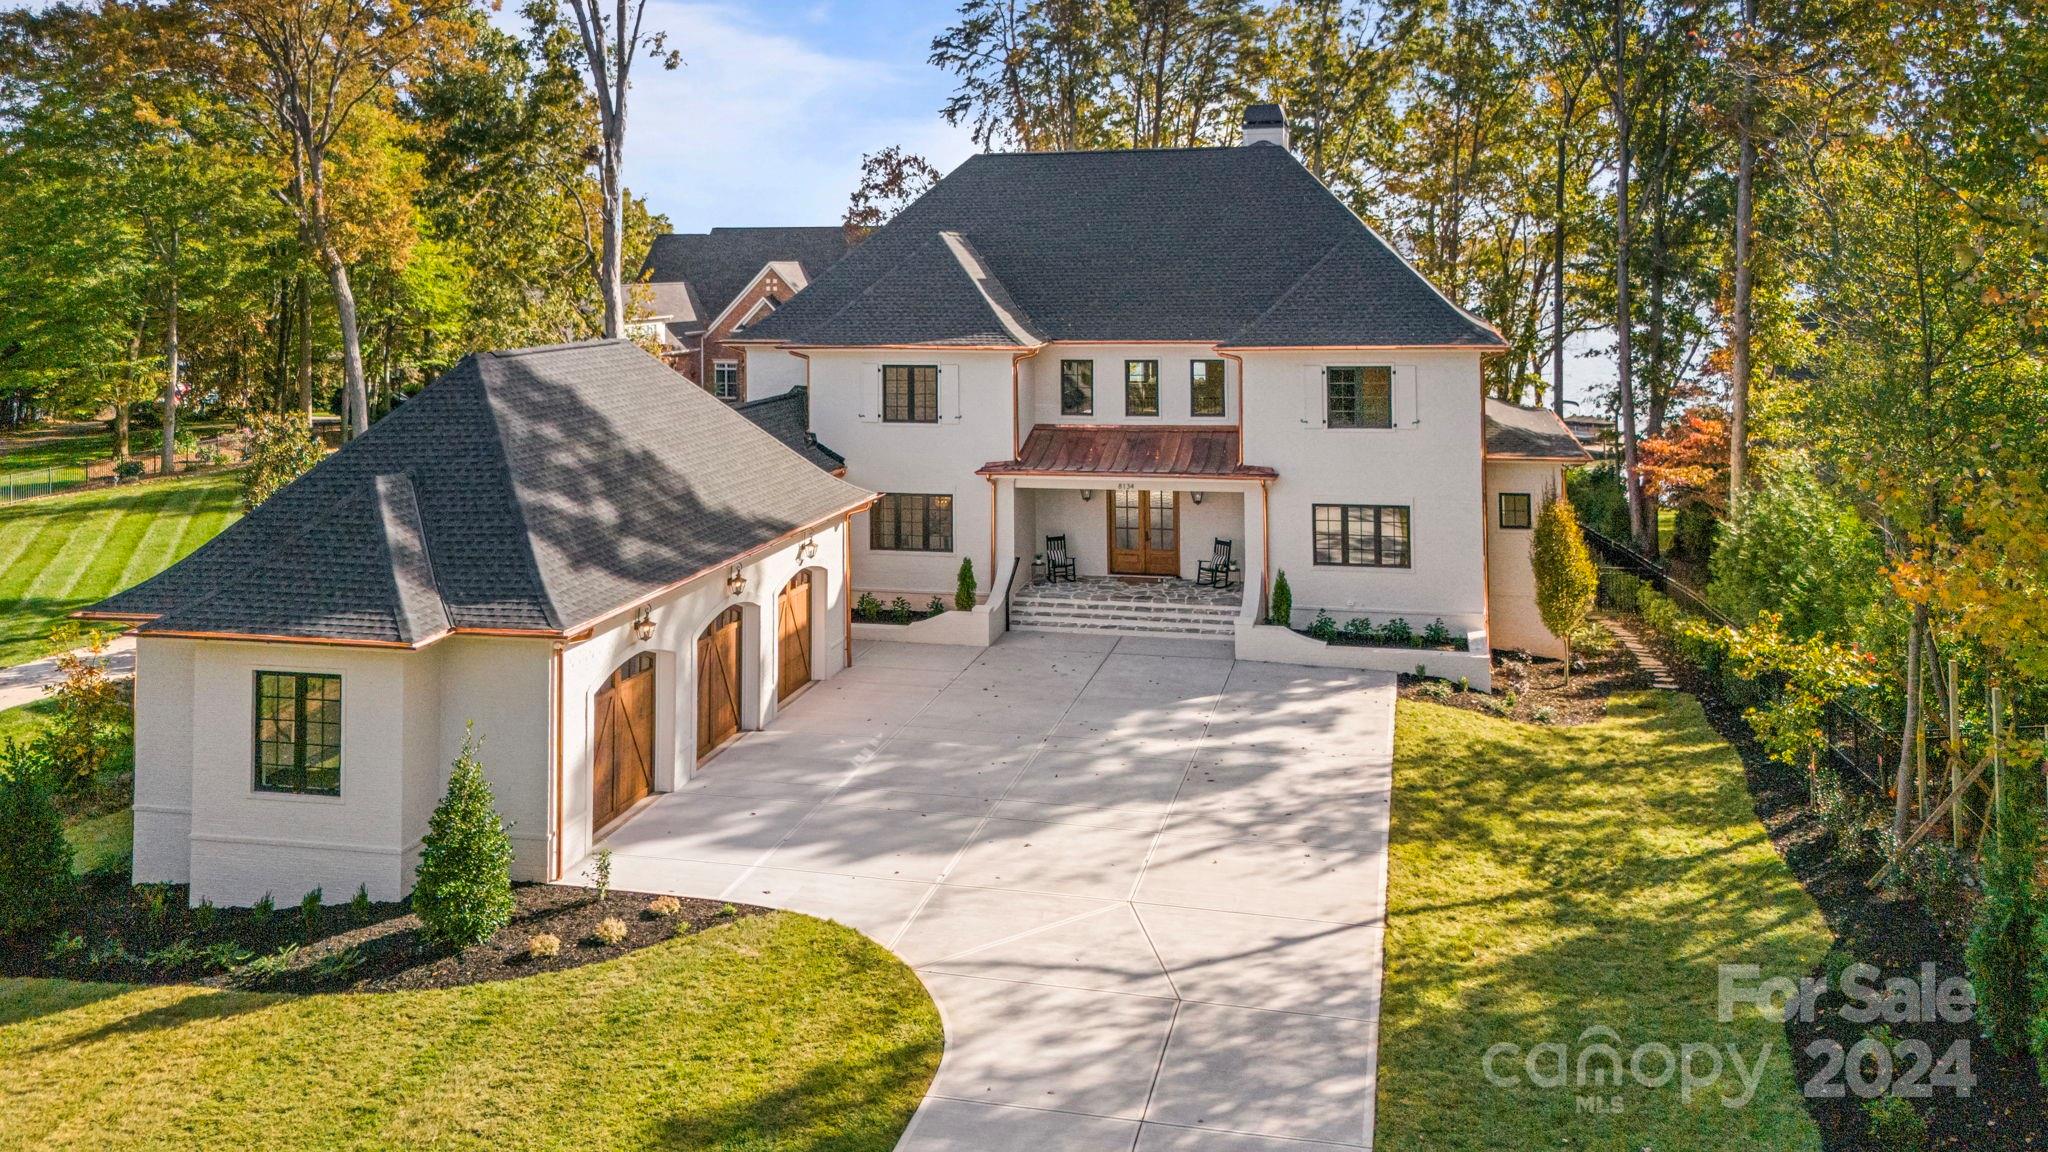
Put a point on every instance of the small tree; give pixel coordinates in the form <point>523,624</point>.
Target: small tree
<point>35,867</point>
<point>963,588</point>
<point>2004,953</point>
<point>281,449</point>
<point>1282,602</point>
<point>1565,577</point>
<point>92,728</point>
<point>463,891</point>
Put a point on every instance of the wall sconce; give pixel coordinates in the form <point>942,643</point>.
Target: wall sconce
<point>1195,496</point>
<point>643,625</point>
<point>735,583</point>
<point>807,551</point>
<point>1087,494</point>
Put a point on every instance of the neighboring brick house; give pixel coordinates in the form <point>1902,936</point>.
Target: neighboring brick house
<point>705,286</point>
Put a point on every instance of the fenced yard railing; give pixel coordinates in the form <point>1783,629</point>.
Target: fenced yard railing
<point>23,483</point>
<point>1858,742</point>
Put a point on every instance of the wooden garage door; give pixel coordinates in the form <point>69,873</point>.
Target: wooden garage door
<point>793,636</point>
<point>624,767</point>
<point>718,682</point>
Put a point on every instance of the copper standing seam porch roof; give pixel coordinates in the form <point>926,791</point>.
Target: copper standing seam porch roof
<point>1116,450</point>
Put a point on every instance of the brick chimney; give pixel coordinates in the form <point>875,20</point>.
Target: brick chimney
<point>1265,124</point>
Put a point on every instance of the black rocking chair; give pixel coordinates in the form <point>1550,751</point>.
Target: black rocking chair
<point>1058,565</point>
<point>1215,571</point>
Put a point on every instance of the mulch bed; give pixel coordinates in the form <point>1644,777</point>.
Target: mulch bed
<point>1892,929</point>
<point>1534,690</point>
<point>134,935</point>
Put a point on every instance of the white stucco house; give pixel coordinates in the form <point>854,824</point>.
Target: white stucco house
<point>1148,357</point>
<point>608,574</point>
<point>1184,370</point>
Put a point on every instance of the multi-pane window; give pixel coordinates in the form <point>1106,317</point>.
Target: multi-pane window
<point>911,522</point>
<point>725,379</point>
<point>1077,387</point>
<point>298,733</point>
<point>1360,397</point>
<point>1514,510</point>
<point>910,393</point>
<point>1141,387</point>
<point>1205,387</point>
<point>1362,535</point>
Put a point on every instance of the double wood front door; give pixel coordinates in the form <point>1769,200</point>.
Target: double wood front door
<point>718,682</point>
<point>793,636</point>
<point>1144,533</point>
<point>624,768</point>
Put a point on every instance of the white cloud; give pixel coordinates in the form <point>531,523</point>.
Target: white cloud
<point>760,127</point>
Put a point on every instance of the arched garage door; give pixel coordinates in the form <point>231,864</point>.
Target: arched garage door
<point>718,682</point>
<point>623,771</point>
<point>793,635</point>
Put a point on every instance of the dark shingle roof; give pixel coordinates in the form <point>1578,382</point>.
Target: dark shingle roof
<point>539,489</point>
<point>1515,432</point>
<point>788,418</point>
<point>719,264</point>
<point>1236,245</point>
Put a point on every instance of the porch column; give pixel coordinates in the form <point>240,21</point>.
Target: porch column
<point>1002,538</point>
<point>1258,571</point>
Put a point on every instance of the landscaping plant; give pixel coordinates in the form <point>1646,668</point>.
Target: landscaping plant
<point>1565,577</point>
<point>281,449</point>
<point>463,891</point>
<point>35,867</point>
<point>1282,604</point>
<point>93,726</point>
<point>963,587</point>
<point>2004,953</point>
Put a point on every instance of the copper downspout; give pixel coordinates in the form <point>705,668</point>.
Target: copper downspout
<point>846,577</point>
<point>1016,420</point>
<point>561,800</point>
<point>1240,401</point>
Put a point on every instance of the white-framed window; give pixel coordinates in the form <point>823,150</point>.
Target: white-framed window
<point>725,379</point>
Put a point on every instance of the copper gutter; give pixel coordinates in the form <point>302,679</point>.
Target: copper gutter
<point>1240,401</point>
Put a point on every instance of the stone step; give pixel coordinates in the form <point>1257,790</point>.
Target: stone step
<point>1102,613</point>
<point>1119,607</point>
<point>1033,620</point>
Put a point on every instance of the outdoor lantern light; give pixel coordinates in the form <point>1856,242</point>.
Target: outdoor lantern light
<point>1196,496</point>
<point>643,625</point>
<point>1087,493</point>
<point>736,583</point>
<point>807,551</point>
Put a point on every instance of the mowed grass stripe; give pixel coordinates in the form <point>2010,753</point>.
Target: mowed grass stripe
<point>158,544</point>
<point>72,551</point>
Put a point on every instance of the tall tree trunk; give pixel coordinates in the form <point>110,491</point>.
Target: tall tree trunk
<point>170,445</point>
<point>353,396</point>
<point>1739,330</point>
<point>1564,129</point>
<point>305,336</point>
<point>1902,781</point>
<point>610,281</point>
<point>1642,523</point>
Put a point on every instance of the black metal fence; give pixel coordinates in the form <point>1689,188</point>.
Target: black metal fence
<point>1860,743</point>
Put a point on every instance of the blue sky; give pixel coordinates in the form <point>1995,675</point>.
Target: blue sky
<point>767,120</point>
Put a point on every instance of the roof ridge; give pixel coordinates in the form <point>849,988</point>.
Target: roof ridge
<point>542,593</point>
<point>390,488</point>
<point>994,295</point>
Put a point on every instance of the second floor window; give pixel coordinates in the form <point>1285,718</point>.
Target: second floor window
<point>1205,387</point>
<point>1360,397</point>
<point>1077,387</point>
<point>1141,387</point>
<point>1515,510</point>
<point>911,522</point>
<point>725,379</point>
<point>910,393</point>
<point>298,733</point>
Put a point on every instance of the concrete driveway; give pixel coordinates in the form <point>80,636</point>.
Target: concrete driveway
<point>1144,883</point>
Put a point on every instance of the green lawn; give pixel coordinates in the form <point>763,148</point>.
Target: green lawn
<point>23,723</point>
<point>63,553</point>
<point>1545,881</point>
<point>770,1032</point>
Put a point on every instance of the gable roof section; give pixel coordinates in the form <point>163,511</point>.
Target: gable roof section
<point>529,491</point>
<point>719,264</point>
<point>1190,244</point>
<point>1517,433</point>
